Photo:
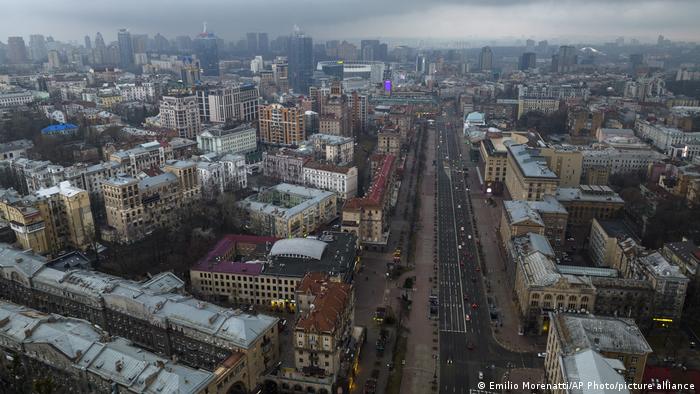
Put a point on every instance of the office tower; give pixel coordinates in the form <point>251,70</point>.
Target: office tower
<point>37,47</point>
<point>542,46</point>
<point>207,51</point>
<point>486,59</point>
<point>181,113</point>
<point>190,71</point>
<point>528,61</point>
<point>346,51</point>
<point>263,43</point>
<point>368,49</point>
<point>88,44</point>
<point>301,61</point>
<point>636,60</point>
<point>530,44</point>
<point>421,65</point>
<point>16,50</point>
<point>252,42</point>
<point>565,60</point>
<point>54,60</point>
<point>183,43</point>
<point>98,52</point>
<point>280,72</point>
<point>139,43</point>
<point>281,125</point>
<point>99,41</point>
<point>126,49</point>
<point>160,43</point>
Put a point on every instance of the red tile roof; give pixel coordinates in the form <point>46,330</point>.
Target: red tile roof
<point>331,299</point>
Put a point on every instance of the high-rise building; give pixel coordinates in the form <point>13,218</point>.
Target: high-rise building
<point>181,113</point>
<point>280,72</point>
<point>16,50</point>
<point>160,43</point>
<point>99,52</point>
<point>252,42</point>
<point>126,49</point>
<point>139,43</point>
<point>54,60</point>
<point>207,50</point>
<point>263,43</point>
<point>421,64</point>
<point>281,125</point>
<point>530,44</point>
<point>37,47</point>
<point>528,60</point>
<point>236,102</point>
<point>301,61</point>
<point>190,71</point>
<point>486,59</point>
<point>565,60</point>
<point>88,43</point>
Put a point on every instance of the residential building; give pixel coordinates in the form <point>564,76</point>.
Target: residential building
<point>78,356</point>
<point>15,98</point>
<point>280,125</point>
<point>605,240</point>
<point>181,113</point>
<point>670,287</point>
<point>486,59</point>
<point>285,165</point>
<point>367,217</point>
<point>15,149</point>
<point>340,180</point>
<point>528,176</point>
<point>528,60</point>
<point>234,102</point>
<point>333,149</point>
<point>586,202</point>
<point>618,161</point>
<point>136,207</point>
<point>389,141</point>
<point>540,287</point>
<point>266,271</point>
<point>142,157</point>
<point>664,137</point>
<point>126,49</point>
<point>547,217</point>
<point>686,255</point>
<point>287,210</point>
<point>217,175</point>
<point>155,314</point>
<point>587,348</point>
<point>220,140</point>
<point>537,104</point>
<point>16,50</point>
<point>358,109</point>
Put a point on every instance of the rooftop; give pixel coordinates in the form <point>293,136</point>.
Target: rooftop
<point>592,193</point>
<point>331,299</point>
<point>308,248</point>
<point>305,198</point>
<point>15,145</point>
<point>529,161</point>
<point>617,228</point>
<point>64,188</point>
<point>590,366</point>
<point>519,211</point>
<point>332,139</point>
<point>660,267</point>
<point>336,259</point>
<point>600,333</point>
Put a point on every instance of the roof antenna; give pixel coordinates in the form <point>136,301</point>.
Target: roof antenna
<point>204,27</point>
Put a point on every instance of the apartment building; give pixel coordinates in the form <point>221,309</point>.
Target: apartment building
<point>285,165</point>
<point>537,104</point>
<point>619,161</point>
<point>587,348</point>
<point>181,113</point>
<point>586,202</point>
<point>266,271</point>
<point>234,102</point>
<point>136,207</point>
<point>566,162</point>
<point>51,219</point>
<point>333,149</point>
<point>142,157</point>
<point>219,174</point>
<point>281,125</point>
<point>607,246</point>
<point>155,314</point>
<point>528,177</point>
<point>78,356</point>
<point>670,287</point>
<point>547,217</point>
<point>220,140</point>
<point>389,141</point>
<point>287,210</point>
<point>663,137</point>
<point>340,180</point>
<point>15,149</point>
<point>686,255</point>
<point>366,217</point>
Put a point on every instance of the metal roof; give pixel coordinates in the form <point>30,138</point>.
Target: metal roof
<point>299,247</point>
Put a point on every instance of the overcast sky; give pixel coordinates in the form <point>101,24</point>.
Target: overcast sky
<point>329,19</point>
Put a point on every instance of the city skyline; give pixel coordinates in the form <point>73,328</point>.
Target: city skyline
<point>445,20</point>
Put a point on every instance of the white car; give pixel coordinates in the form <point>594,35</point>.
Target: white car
<point>542,355</point>
<point>469,236</point>
<point>481,375</point>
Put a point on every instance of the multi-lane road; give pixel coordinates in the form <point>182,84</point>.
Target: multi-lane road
<point>468,352</point>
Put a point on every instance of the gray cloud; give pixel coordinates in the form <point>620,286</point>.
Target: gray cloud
<point>71,19</point>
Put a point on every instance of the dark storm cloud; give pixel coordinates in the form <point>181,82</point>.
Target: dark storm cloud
<point>71,19</point>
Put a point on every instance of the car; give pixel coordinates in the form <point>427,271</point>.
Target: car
<point>461,228</point>
<point>468,317</point>
<point>470,345</point>
<point>481,375</point>
<point>542,355</point>
<point>475,305</point>
<point>469,236</point>
<point>466,297</point>
<point>449,361</point>
<point>478,269</point>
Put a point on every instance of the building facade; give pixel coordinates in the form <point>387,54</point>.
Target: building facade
<point>181,113</point>
<point>280,125</point>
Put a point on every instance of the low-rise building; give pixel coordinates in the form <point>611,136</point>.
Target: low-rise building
<point>340,180</point>
<point>545,105</point>
<point>670,287</point>
<point>389,141</point>
<point>586,348</point>
<point>221,140</point>
<point>15,149</point>
<point>528,176</point>
<point>287,210</point>
<point>566,162</point>
<point>547,217</point>
<point>144,156</point>
<point>265,271</point>
<point>585,202</point>
<point>607,241</point>
<point>78,356</point>
<point>686,255</point>
<point>663,137</point>
<point>493,160</point>
<point>285,165</point>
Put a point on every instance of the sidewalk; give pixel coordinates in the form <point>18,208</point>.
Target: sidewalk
<point>497,276</point>
<point>520,376</point>
<point>422,347</point>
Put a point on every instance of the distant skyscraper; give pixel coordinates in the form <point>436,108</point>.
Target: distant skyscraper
<point>99,41</point>
<point>542,46</point>
<point>139,43</point>
<point>528,61</point>
<point>16,50</point>
<point>486,59</point>
<point>421,65</point>
<point>207,51</point>
<point>88,44</point>
<point>301,61</point>
<point>54,60</point>
<point>126,49</point>
<point>100,50</point>
<point>160,43</point>
<point>565,60</point>
<point>530,44</point>
<point>263,43</point>
<point>37,47</point>
<point>252,41</point>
